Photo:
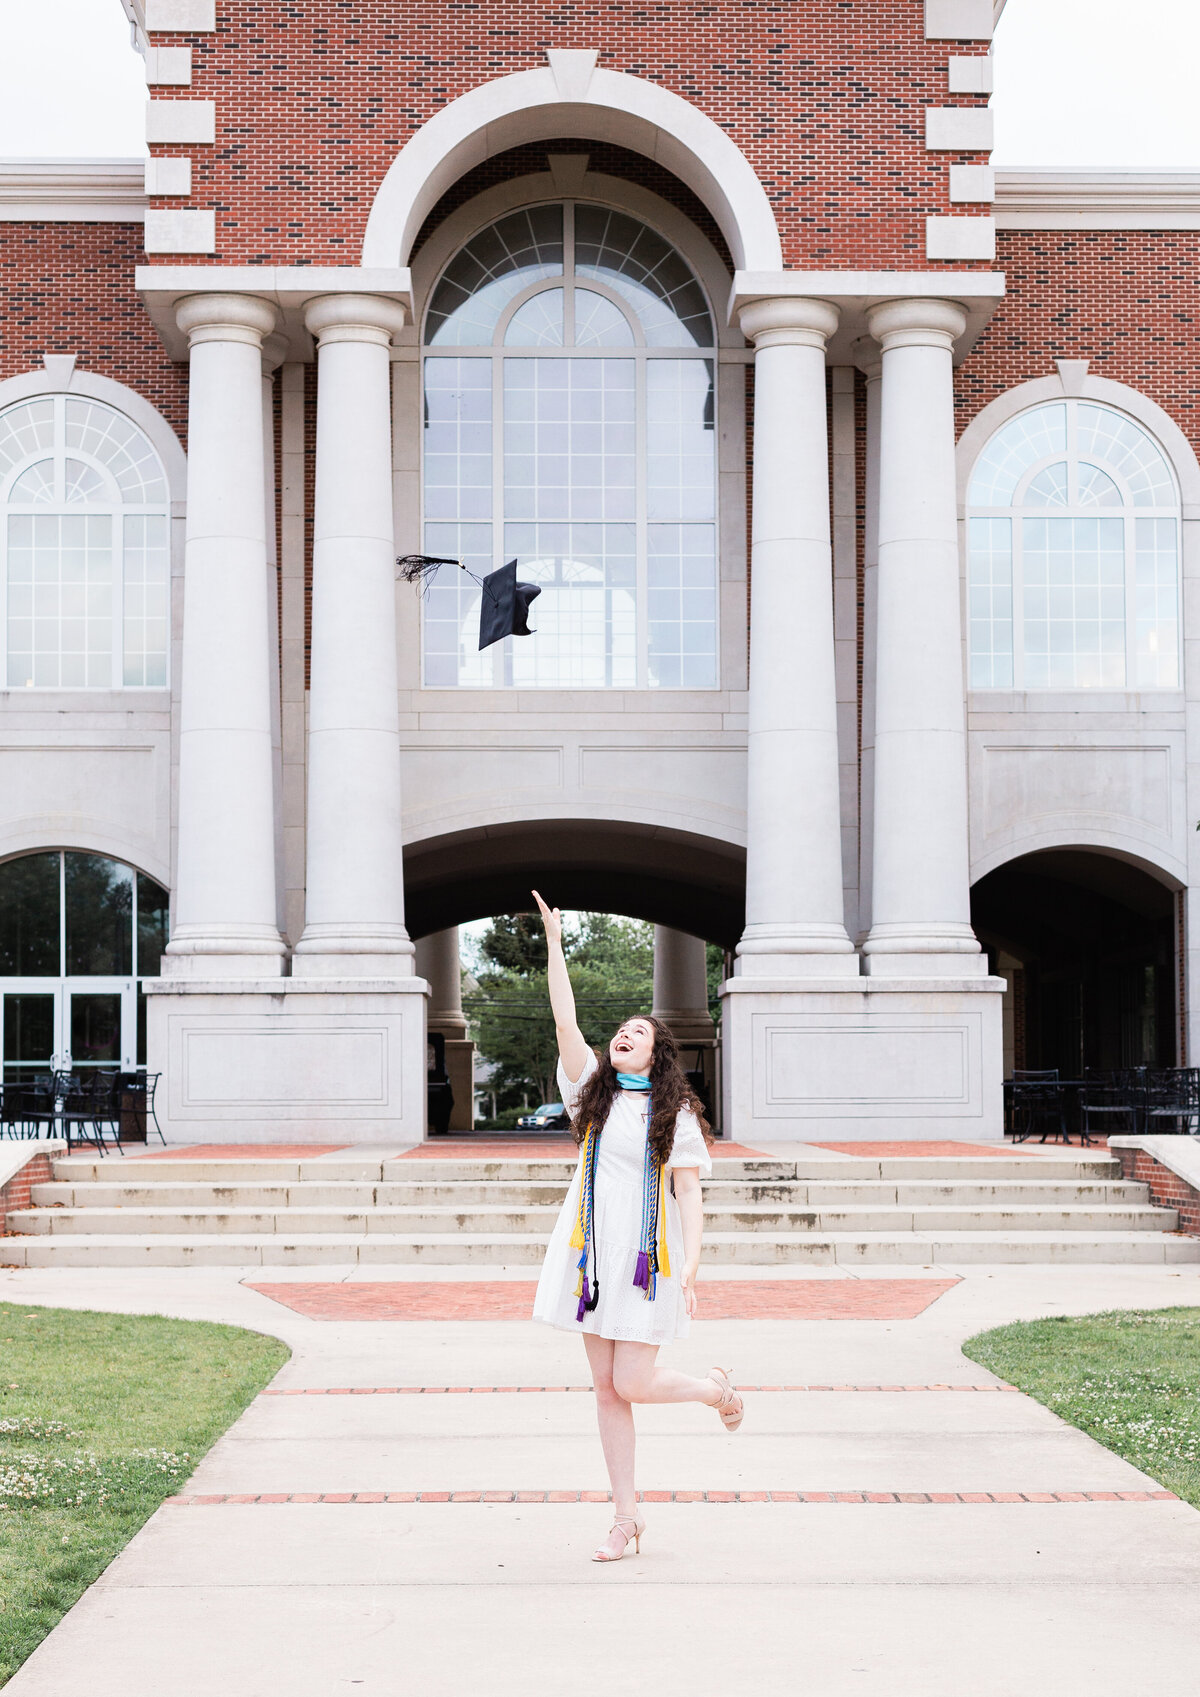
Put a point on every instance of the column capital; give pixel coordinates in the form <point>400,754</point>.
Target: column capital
<point>917,323</point>
<point>274,351</point>
<point>789,320</point>
<point>868,357</point>
<point>354,318</point>
<point>226,318</point>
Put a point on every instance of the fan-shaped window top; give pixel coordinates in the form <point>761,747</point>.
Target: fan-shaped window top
<point>84,569</point>
<point>1073,567</point>
<point>570,421</point>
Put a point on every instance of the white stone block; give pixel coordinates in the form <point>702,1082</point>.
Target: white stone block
<point>181,121</point>
<point>168,176</point>
<point>169,65</point>
<point>972,182</point>
<point>959,20</point>
<point>959,129</point>
<point>196,17</point>
<point>181,232</point>
<point>973,74</point>
<point>960,238</point>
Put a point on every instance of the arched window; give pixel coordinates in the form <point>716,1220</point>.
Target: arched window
<point>1073,554</point>
<point>84,573</point>
<point>78,933</point>
<point>570,421</point>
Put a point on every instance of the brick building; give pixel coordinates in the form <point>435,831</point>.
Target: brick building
<point>857,478</point>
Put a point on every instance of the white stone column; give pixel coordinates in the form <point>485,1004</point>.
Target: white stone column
<point>225,907</point>
<point>920,907</point>
<point>354,916</point>
<point>681,985</point>
<point>872,368</point>
<point>794,905</point>
<point>438,961</point>
<point>274,353</point>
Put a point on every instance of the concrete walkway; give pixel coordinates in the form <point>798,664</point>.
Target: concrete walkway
<point>885,1599</point>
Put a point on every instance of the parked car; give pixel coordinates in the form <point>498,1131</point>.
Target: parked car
<point>551,1116</point>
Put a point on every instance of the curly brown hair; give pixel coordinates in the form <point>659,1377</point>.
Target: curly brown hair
<point>669,1092</point>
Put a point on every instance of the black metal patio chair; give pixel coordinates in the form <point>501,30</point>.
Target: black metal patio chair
<point>1111,1101</point>
<point>1171,1101</point>
<point>1037,1102</point>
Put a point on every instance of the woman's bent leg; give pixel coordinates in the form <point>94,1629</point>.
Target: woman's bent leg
<point>615,1417</point>
<point>638,1378</point>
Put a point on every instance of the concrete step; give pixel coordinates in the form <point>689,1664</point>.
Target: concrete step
<point>461,1249</point>
<point>549,1193</point>
<point>756,1223</point>
<point>1077,1165</point>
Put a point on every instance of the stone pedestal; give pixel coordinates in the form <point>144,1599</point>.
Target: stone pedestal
<point>289,1060</point>
<point>869,1059</point>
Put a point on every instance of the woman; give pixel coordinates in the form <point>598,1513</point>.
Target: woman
<point>621,1264</point>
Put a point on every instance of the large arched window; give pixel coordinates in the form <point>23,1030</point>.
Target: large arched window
<point>84,574</point>
<point>1073,554</point>
<point>569,421</point>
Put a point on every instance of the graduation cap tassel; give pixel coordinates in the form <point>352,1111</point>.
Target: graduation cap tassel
<point>419,568</point>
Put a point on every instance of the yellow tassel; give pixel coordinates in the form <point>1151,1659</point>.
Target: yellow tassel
<point>577,1237</point>
<point>579,1284</point>
<point>664,1260</point>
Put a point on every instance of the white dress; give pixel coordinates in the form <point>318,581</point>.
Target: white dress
<point>622,1311</point>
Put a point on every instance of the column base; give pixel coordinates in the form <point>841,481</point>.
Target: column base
<point>921,965</point>
<point>343,952</point>
<point>327,1061</point>
<point>889,1060</point>
<point>196,953</point>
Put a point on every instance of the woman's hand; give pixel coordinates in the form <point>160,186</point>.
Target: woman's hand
<point>551,919</point>
<point>688,1285</point>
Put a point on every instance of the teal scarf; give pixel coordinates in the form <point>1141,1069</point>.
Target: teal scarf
<point>632,1081</point>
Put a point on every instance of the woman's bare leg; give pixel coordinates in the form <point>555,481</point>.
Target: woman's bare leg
<point>617,1435</point>
<point>637,1378</point>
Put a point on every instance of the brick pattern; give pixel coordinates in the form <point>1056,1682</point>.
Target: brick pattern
<point>1123,299</point>
<point>260,1498</point>
<point>15,1195</point>
<point>826,102</point>
<point>720,1299</point>
<point>583,1390</point>
<point>68,289</point>
<point>1167,1189</point>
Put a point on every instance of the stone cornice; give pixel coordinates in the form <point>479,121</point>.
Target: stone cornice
<point>107,191</point>
<point>1098,200</point>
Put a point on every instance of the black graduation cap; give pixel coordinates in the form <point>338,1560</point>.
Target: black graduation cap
<point>505,607</point>
<point>504,610</point>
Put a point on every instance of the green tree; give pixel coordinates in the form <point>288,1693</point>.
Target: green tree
<point>611,962</point>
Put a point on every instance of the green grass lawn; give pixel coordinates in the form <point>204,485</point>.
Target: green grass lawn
<point>101,1417</point>
<point>1130,1380</point>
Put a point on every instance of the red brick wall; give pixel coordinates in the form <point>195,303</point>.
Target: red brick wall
<point>1124,299</point>
<point>15,1194</point>
<point>68,289</point>
<point>826,100</point>
<point>1167,1189</point>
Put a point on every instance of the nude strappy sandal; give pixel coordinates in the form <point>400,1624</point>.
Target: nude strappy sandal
<point>731,1408</point>
<point>634,1537</point>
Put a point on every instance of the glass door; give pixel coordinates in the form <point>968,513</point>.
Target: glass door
<point>100,1025</point>
<point>32,1022</point>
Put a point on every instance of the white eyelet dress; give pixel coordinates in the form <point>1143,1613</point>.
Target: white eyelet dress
<point>622,1311</point>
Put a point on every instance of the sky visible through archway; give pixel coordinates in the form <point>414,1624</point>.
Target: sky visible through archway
<point>1082,84</point>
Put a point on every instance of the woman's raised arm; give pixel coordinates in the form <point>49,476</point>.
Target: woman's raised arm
<point>572,1049</point>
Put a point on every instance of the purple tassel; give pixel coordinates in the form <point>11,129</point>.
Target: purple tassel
<point>641,1276</point>
<point>580,1311</point>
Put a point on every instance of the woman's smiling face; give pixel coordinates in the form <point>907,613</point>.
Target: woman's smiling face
<point>632,1049</point>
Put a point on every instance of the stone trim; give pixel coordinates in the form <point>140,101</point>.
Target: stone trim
<point>960,20</point>
<point>1170,1166</point>
<point>59,191</point>
<point>1098,200</point>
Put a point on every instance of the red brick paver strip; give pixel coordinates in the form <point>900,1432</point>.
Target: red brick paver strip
<point>240,1152</point>
<point>552,1149</point>
<point>586,1390</point>
<point>720,1299</point>
<point>970,1498</point>
<point>919,1151</point>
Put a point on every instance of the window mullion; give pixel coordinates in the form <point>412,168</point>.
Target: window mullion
<point>641,526</point>
<point>117,571</point>
<point>1018,598</point>
<point>1129,537</point>
<point>500,659</point>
